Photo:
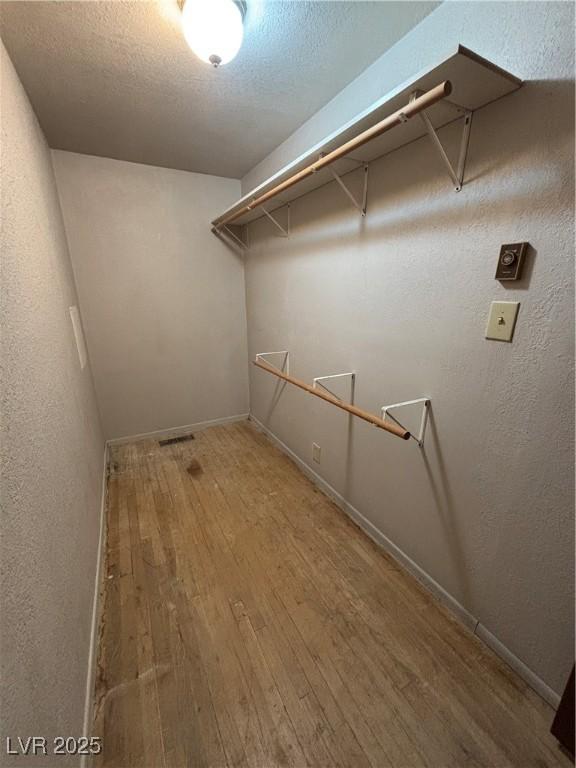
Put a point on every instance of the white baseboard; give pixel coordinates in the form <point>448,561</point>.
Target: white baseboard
<point>518,666</point>
<point>470,621</point>
<point>175,431</point>
<point>93,648</point>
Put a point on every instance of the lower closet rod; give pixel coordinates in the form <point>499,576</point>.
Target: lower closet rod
<point>369,417</point>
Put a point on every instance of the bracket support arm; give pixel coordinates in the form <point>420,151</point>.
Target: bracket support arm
<point>225,232</point>
<point>317,382</point>
<point>359,205</point>
<point>425,402</point>
<point>457,175</point>
<point>284,231</point>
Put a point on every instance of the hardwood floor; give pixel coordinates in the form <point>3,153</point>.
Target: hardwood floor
<point>247,622</point>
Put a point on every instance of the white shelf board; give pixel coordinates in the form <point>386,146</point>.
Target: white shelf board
<point>475,83</point>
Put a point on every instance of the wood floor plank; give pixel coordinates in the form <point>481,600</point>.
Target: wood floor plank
<point>247,622</point>
<point>519,747</point>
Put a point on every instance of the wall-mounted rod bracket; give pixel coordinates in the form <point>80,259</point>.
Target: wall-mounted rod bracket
<point>359,205</point>
<point>285,365</point>
<point>425,401</point>
<point>457,175</point>
<point>284,231</point>
<point>464,142</point>
<point>319,379</point>
<point>226,233</point>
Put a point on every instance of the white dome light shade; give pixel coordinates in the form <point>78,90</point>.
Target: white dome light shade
<point>213,29</point>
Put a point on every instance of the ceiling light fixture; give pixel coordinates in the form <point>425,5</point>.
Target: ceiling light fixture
<point>214,28</point>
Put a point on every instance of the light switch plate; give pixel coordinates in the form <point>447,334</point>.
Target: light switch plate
<point>501,320</point>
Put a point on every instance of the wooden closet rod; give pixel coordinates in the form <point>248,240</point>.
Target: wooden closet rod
<point>420,103</point>
<point>369,417</point>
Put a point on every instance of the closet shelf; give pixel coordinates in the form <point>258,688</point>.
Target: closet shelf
<point>452,90</point>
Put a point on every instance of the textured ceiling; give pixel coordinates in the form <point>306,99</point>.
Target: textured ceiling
<point>117,79</point>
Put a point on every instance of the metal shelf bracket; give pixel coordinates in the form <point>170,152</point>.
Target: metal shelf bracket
<point>359,205</point>
<point>226,234</point>
<point>285,365</point>
<point>284,231</point>
<point>457,175</point>
<point>423,421</point>
<point>317,382</point>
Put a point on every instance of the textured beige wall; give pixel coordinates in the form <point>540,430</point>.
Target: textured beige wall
<point>402,298</point>
<point>162,298</point>
<point>52,448</point>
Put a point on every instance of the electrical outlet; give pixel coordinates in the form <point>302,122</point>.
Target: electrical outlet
<point>316,451</point>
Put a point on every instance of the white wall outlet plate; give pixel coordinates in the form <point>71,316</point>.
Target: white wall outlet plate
<point>501,320</point>
<point>316,452</point>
